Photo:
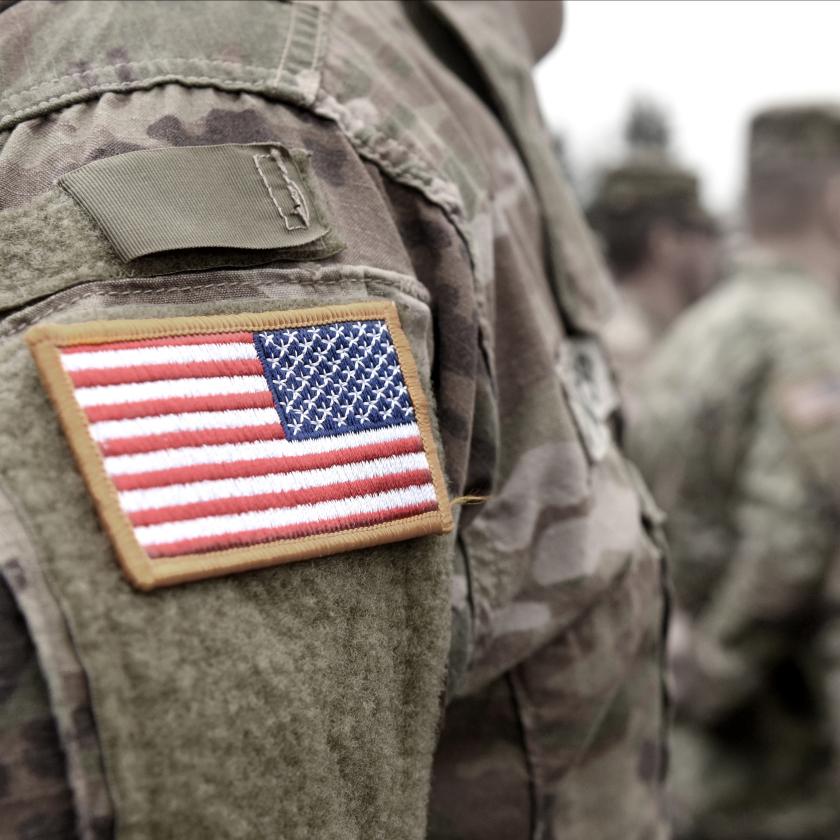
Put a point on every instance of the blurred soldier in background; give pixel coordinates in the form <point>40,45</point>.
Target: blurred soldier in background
<point>661,244</point>
<point>739,434</point>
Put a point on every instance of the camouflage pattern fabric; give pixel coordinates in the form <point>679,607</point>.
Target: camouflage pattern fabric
<point>34,798</point>
<point>738,434</point>
<point>54,714</point>
<point>441,191</point>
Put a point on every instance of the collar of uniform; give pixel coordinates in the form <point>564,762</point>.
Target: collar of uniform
<point>498,44</point>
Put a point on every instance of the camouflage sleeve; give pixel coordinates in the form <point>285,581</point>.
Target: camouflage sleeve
<point>774,574</point>
<point>35,798</point>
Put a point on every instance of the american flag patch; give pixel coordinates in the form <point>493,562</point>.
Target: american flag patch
<point>218,444</point>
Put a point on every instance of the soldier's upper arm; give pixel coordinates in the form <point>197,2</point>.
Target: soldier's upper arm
<point>781,506</point>
<point>233,324</point>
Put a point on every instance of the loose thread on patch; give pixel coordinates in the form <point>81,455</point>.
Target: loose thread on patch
<point>469,500</point>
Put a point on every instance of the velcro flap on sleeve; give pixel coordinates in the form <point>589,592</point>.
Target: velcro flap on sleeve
<point>243,196</point>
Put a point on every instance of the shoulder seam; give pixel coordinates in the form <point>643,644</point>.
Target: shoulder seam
<point>296,78</point>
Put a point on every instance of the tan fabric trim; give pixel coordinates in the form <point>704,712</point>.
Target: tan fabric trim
<point>45,342</point>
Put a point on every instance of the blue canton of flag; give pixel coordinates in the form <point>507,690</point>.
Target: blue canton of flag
<point>334,379</point>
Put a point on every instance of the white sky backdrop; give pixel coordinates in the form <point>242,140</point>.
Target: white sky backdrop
<point>710,63</point>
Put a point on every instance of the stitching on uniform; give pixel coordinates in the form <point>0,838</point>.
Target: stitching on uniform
<point>141,84</point>
<point>316,48</point>
<point>316,280</point>
<point>268,187</point>
<point>295,194</point>
<point>284,55</point>
<point>175,326</point>
<point>115,293</point>
<point>210,62</point>
<point>369,145</point>
<point>303,366</point>
<point>377,146</point>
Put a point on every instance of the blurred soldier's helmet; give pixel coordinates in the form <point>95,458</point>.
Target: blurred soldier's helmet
<point>793,151</point>
<point>648,188</point>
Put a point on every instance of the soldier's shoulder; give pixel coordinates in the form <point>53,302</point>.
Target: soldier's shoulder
<point>719,326</point>
<point>714,352</point>
<point>787,295</point>
<point>763,311</point>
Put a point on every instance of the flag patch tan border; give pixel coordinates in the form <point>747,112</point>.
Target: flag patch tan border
<point>218,444</point>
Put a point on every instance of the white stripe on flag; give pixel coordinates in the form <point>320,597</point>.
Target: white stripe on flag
<point>190,421</point>
<point>227,453</point>
<point>167,355</point>
<point>211,526</point>
<point>227,488</point>
<point>166,388</point>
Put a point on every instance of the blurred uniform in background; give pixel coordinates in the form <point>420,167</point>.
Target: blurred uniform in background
<point>504,681</point>
<point>660,242</point>
<point>740,437</point>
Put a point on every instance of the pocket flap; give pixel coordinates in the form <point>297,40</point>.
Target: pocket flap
<point>249,196</point>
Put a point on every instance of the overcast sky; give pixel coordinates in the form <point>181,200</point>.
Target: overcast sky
<point>709,62</point>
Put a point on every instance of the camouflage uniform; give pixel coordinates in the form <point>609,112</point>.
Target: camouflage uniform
<point>738,437</point>
<point>305,700</point>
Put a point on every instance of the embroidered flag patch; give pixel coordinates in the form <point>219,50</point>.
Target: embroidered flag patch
<point>218,444</point>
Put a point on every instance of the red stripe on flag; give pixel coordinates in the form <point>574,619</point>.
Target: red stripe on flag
<point>179,405</point>
<point>265,466</point>
<point>172,341</point>
<point>198,437</point>
<point>151,373</point>
<point>291,498</point>
<point>360,520</point>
